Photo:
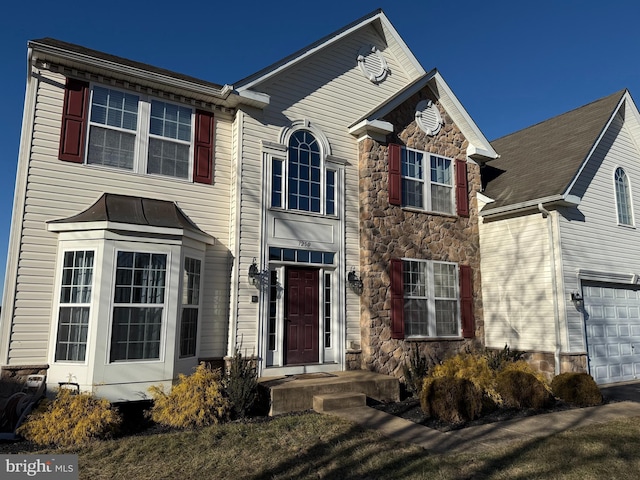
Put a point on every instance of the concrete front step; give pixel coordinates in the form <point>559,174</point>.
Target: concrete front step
<point>295,393</point>
<point>337,401</point>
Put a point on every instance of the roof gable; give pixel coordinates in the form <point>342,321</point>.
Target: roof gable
<point>377,19</point>
<point>542,161</point>
<point>479,147</point>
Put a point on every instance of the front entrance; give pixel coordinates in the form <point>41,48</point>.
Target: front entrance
<point>301,316</point>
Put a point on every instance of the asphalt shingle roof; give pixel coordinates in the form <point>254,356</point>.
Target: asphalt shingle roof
<point>541,160</point>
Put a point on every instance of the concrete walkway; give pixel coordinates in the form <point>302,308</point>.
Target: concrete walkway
<point>473,439</point>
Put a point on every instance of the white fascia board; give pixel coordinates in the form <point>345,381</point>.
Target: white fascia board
<point>104,225</point>
<point>134,72</point>
<point>252,98</point>
<point>477,140</point>
<point>371,126</point>
<point>484,199</point>
<point>553,200</point>
<point>403,46</point>
<point>389,105</point>
<point>624,98</point>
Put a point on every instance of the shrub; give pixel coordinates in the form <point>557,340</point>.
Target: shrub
<point>521,389</point>
<point>71,419</point>
<point>415,371</point>
<point>578,389</point>
<point>241,385</point>
<point>523,366</point>
<point>194,401</point>
<point>497,359</point>
<point>451,399</point>
<point>474,368</point>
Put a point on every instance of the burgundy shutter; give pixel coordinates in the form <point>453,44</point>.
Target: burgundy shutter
<point>74,121</point>
<point>203,150</point>
<point>466,302</point>
<point>395,178</point>
<point>462,194</point>
<point>397,299</point>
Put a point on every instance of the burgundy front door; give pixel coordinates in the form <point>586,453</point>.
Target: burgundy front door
<point>301,316</point>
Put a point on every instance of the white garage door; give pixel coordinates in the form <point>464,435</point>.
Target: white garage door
<point>613,331</point>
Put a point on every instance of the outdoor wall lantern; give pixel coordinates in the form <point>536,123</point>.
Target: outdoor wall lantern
<point>577,299</point>
<point>355,283</point>
<point>254,273</point>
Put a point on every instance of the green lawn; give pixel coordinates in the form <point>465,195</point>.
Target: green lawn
<point>319,446</point>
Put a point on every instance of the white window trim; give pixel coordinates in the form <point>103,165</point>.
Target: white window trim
<point>630,198</point>
<point>58,304</point>
<point>166,305</point>
<point>427,183</point>
<point>431,301</point>
<point>280,152</point>
<point>142,135</point>
<point>195,256</point>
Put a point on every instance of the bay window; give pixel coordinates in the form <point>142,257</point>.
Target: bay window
<point>75,305</point>
<point>139,300</point>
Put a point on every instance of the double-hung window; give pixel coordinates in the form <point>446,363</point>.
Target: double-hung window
<point>117,118</point>
<point>427,182</point>
<point>430,298</point>
<point>139,303</point>
<point>302,182</point>
<point>75,305</point>
<point>125,130</point>
<point>190,306</point>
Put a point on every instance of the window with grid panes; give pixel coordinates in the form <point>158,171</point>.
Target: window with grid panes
<point>430,298</point>
<point>427,181</point>
<point>75,306</point>
<point>139,301</point>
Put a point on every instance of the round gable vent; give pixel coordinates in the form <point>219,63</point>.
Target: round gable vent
<point>428,117</point>
<point>372,63</point>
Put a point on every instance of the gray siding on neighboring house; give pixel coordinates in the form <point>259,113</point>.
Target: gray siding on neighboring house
<point>330,91</point>
<point>58,189</point>
<point>591,236</point>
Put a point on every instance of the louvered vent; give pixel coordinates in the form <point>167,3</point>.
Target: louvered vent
<point>372,63</point>
<point>428,117</point>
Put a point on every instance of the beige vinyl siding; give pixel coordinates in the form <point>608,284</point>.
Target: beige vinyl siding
<point>516,283</point>
<point>408,67</point>
<point>330,91</point>
<point>591,236</point>
<point>58,189</point>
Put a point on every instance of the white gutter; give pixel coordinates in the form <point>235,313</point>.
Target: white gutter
<point>554,285</point>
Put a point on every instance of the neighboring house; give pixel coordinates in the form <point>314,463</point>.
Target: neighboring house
<point>161,220</point>
<point>560,263</point>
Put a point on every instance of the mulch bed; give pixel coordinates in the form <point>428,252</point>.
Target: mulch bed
<point>409,409</point>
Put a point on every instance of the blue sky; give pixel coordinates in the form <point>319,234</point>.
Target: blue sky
<point>511,63</point>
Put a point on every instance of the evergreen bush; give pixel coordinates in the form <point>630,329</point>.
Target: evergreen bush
<point>521,389</point>
<point>194,401</point>
<point>451,399</point>
<point>241,384</point>
<point>578,389</point>
<point>71,419</point>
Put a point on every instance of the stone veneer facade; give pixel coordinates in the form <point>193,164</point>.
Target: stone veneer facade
<point>389,231</point>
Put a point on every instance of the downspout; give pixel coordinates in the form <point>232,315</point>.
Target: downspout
<point>556,313</point>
